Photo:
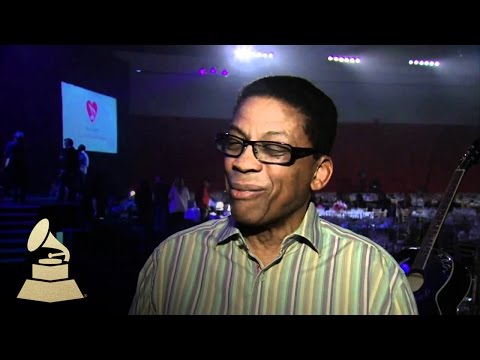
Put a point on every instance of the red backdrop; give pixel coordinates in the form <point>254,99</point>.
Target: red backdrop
<point>400,157</point>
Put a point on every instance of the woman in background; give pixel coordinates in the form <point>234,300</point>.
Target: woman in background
<point>178,198</point>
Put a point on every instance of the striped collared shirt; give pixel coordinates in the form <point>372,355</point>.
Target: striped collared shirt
<point>321,269</point>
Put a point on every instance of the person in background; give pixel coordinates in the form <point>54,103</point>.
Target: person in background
<point>274,255</point>
<point>16,172</point>
<point>144,202</point>
<point>360,202</point>
<point>69,171</point>
<point>178,197</point>
<point>97,193</point>
<point>160,203</point>
<point>202,199</point>
<point>84,162</point>
<point>384,203</point>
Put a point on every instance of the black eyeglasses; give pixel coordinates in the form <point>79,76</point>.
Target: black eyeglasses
<point>267,152</point>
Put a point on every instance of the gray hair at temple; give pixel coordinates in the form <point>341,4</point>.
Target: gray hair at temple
<point>319,110</point>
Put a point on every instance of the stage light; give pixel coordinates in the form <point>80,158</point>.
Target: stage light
<point>344,59</point>
<point>244,53</point>
<point>424,62</point>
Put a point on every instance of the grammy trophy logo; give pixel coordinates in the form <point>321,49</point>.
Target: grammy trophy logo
<point>50,282</point>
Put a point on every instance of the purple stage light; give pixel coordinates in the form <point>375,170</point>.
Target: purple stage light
<point>203,71</point>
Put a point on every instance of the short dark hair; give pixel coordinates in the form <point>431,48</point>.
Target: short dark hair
<point>82,147</point>
<point>319,110</point>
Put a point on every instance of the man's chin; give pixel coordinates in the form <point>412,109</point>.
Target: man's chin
<point>245,216</point>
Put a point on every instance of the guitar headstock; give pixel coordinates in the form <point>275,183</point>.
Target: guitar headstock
<point>471,156</point>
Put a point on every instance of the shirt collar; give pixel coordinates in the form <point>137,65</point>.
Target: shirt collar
<point>228,232</point>
<point>309,230</point>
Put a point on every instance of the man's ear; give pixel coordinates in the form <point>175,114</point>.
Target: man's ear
<point>322,174</point>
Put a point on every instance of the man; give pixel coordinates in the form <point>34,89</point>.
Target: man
<point>202,199</point>
<point>274,255</point>
<point>83,162</point>
<point>69,169</point>
<point>16,171</point>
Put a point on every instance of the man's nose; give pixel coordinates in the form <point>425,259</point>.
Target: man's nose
<point>247,160</point>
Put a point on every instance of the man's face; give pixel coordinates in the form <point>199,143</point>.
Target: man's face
<point>264,194</point>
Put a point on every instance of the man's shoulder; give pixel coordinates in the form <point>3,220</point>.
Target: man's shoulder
<point>211,230</point>
<point>359,243</point>
<point>347,236</point>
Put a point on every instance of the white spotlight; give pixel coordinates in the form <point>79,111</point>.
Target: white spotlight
<point>410,62</point>
<point>244,52</point>
<point>357,60</point>
<point>330,58</point>
<point>437,63</point>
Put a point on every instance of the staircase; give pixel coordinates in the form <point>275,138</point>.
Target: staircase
<point>16,223</point>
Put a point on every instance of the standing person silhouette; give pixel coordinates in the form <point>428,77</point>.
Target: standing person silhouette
<point>69,171</point>
<point>160,203</point>
<point>178,197</point>
<point>16,172</point>
<point>202,199</point>
<point>84,163</point>
<point>144,202</point>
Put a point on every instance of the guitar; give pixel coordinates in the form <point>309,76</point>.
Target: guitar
<point>438,282</point>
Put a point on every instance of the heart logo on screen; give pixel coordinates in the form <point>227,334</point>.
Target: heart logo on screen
<point>92,110</point>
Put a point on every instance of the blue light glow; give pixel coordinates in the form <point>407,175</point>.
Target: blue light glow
<point>405,267</point>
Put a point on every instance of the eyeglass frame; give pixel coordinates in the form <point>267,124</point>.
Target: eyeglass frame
<point>295,152</point>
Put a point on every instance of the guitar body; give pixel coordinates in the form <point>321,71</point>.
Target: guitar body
<point>439,284</point>
<point>446,282</point>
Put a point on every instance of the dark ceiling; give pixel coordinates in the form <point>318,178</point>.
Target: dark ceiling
<point>432,51</point>
<point>205,50</point>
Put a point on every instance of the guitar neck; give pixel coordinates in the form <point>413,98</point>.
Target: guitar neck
<point>435,225</point>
